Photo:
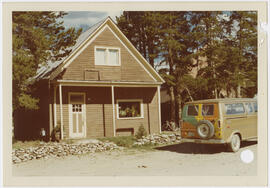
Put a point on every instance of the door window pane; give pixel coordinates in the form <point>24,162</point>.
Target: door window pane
<point>129,109</point>
<point>208,110</point>
<point>193,110</point>
<point>237,108</point>
<point>113,58</point>
<point>100,56</point>
<point>76,108</point>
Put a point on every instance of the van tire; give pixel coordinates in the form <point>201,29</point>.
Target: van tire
<point>235,143</point>
<point>205,129</point>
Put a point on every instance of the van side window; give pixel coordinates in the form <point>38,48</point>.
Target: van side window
<point>255,106</point>
<point>249,108</point>
<point>236,108</point>
<point>193,110</point>
<point>208,109</point>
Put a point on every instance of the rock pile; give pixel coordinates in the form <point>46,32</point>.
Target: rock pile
<point>157,139</point>
<point>47,150</point>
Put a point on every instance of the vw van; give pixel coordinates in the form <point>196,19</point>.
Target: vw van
<point>220,121</point>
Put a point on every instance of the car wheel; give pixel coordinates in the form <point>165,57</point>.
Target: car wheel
<point>235,143</point>
<point>205,129</point>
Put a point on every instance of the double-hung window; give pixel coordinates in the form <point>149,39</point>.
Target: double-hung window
<point>107,56</point>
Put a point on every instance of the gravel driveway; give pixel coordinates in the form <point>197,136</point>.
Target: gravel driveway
<point>179,159</point>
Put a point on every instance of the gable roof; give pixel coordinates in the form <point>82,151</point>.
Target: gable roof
<point>55,68</point>
<point>45,71</point>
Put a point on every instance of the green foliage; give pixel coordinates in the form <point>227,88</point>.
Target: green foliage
<point>37,37</point>
<point>229,45</point>
<point>141,132</point>
<point>26,101</point>
<point>124,141</point>
<point>141,28</point>
<point>219,47</point>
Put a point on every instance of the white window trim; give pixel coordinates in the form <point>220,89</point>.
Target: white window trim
<point>129,100</point>
<point>71,135</point>
<point>107,48</point>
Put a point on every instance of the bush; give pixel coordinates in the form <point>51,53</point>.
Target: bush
<point>141,132</point>
<point>56,133</point>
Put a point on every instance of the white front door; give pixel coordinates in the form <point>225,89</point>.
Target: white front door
<point>77,121</point>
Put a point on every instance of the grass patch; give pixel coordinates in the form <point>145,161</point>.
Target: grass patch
<point>128,141</point>
<point>25,144</point>
<point>124,141</point>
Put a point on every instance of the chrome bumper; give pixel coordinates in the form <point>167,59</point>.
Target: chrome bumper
<point>209,141</point>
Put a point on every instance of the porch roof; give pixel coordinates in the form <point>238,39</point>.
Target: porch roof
<point>105,83</point>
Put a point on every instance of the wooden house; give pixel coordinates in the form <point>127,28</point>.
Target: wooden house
<point>104,88</point>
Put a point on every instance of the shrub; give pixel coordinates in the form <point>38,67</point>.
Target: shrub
<point>141,132</point>
<point>56,133</point>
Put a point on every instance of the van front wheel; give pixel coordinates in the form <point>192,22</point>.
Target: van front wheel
<point>235,143</point>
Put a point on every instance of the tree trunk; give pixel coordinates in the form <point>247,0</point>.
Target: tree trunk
<point>216,93</point>
<point>239,91</point>
<point>172,103</point>
<point>179,103</point>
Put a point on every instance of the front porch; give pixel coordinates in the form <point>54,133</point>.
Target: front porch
<point>90,109</point>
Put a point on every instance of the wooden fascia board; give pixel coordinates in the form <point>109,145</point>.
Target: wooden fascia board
<point>106,83</point>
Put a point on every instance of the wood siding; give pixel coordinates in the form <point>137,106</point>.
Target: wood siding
<point>129,70</point>
<point>99,113</point>
<point>150,109</point>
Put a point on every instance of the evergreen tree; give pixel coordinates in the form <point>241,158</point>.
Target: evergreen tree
<point>208,31</point>
<point>36,38</point>
<point>244,39</point>
<point>221,46</point>
<point>141,28</point>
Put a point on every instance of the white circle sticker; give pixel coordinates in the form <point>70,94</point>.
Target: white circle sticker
<point>247,156</point>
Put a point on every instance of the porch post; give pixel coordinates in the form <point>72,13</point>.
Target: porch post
<point>159,108</point>
<point>113,105</point>
<point>54,106</point>
<point>61,111</point>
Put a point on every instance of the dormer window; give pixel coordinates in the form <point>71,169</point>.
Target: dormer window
<point>107,56</point>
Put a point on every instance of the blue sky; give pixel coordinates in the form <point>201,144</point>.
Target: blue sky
<point>86,19</point>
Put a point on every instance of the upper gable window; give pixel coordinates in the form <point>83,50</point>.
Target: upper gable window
<point>107,56</point>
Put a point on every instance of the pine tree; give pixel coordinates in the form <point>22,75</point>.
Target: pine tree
<point>244,31</point>
<point>141,28</point>
<point>220,45</point>
<point>207,31</point>
<point>36,38</point>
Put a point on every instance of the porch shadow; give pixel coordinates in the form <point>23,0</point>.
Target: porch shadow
<point>193,148</point>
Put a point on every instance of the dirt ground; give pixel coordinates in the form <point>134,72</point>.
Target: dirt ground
<point>175,160</point>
